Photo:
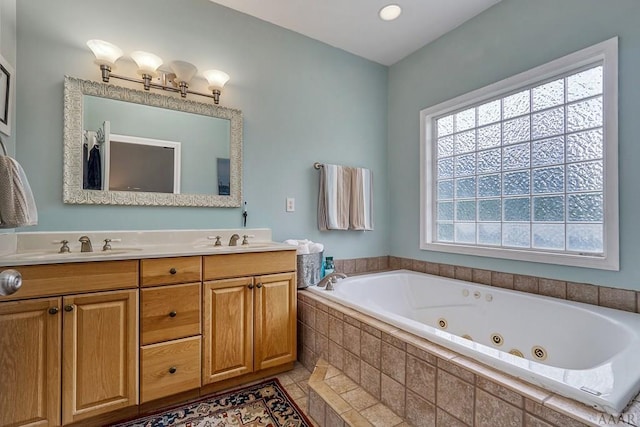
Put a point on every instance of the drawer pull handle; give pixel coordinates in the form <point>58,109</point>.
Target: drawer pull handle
<point>250,286</point>
<point>173,370</point>
<point>173,271</point>
<point>68,308</point>
<point>173,314</point>
<point>259,285</point>
<point>54,310</point>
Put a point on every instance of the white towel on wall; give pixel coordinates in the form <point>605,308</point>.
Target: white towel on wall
<point>17,206</point>
<point>361,206</point>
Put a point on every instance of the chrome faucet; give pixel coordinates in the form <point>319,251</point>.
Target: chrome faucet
<point>86,244</point>
<point>234,240</point>
<point>330,279</point>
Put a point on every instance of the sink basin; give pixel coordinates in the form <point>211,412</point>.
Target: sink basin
<point>35,255</point>
<point>258,245</point>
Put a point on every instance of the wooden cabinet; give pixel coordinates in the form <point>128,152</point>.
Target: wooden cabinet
<point>170,318</point>
<point>249,321</point>
<point>30,360</point>
<point>100,352</point>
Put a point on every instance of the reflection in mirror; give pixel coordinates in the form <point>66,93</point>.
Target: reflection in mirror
<point>110,130</point>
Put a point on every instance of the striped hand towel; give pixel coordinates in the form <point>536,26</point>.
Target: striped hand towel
<point>361,204</point>
<point>17,206</point>
<point>334,197</point>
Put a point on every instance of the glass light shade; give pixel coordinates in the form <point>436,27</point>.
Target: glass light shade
<point>390,12</point>
<point>148,63</point>
<point>216,78</point>
<point>105,52</point>
<point>183,70</point>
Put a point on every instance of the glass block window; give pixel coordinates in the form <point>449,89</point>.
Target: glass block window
<point>524,170</point>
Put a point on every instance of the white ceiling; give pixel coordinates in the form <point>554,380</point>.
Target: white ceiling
<point>354,25</point>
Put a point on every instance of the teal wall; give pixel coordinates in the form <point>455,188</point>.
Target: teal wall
<point>8,51</point>
<point>511,37</point>
<point>302,101</point>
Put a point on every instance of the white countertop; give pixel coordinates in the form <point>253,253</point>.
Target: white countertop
<point>42,248</point>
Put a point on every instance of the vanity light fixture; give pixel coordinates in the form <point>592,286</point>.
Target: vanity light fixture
<point>148,67</point>
<point>390,12</point>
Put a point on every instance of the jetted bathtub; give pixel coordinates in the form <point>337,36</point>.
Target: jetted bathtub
<point>583,352</point>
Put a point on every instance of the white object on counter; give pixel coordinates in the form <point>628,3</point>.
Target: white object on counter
<point>305,246</point>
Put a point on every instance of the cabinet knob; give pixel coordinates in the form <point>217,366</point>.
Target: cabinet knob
<point>172,370</point>
<point>54,310</point>
<point>250,286</point>
<point>68,308</point>
<point>173,314</point>
<point>259,285</point>
<point>173,270</point>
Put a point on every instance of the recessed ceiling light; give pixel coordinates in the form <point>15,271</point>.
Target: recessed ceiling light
<point>390,12</point>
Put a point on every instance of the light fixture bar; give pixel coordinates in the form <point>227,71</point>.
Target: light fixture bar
<point>215,96</point>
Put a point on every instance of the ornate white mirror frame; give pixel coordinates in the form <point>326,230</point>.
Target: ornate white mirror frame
<point>73,191</point>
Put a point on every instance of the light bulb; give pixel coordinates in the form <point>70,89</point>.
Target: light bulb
<point>148,63</point>
<point>390,12</point>
<point>183,70</point>
<point>216,78</point>
<point>105,52</point>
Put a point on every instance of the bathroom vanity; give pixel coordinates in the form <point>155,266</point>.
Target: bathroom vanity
<point>127,332</point>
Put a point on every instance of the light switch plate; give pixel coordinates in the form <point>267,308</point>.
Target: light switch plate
<point>291,204</point>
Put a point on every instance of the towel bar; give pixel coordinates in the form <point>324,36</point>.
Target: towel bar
<point>317,165</point>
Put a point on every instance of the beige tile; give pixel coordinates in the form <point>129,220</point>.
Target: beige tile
<point>406,263</point>
<point>294,391</point>
<point>341,384</point>
<point>321,306</point>
<point>549,415</point>
<point>322,323</point>
<point>525,284</point>
<point>370,329</point>
<point>421,354</point>
<point>453,368</point>
<point>446,420</point>
<point>419,412</point>
<point>359,399</point>
<point>353,419</point>
<point>502,280</point>
<point>419,266</point>
<point>502,392</point>
<point>309,337</point>
<point>383,262</point>
<point>361,265</point>
<point>285,379</point>
<point>309,315</point>
<point>393,363</point>
<point>446,270</point>
<point>463,273</point>
<point>332,371</point>
<point>316,408</point>
<point>351,366</point>
<point>392,394</point>
<point>430,348</point>
<point>394,263</point>
<point>322,346</point>
<point>333,419</point>
<point>582,292</point>
<point>455,396</point>
<point>336,311</point>
<point>370,349</point>
<point>372,264</point>
<point>573,409</point>
<point>421,378</point>
<point>531,421</point>
<point>381,416</point>
<point>494,412</point>
<point>352,321</point>
<point>481,276</point>
<point>349,266</point>
<point>370,379</point>
<point>338,265</point>
<point>552,288</point>
<point>309,358</point>
<point>331,398</point>
<point>394,340</point>
<point>620,299</point>
<point>319,372</point>
<point>638,301</point>
<point>352,338</point>
<point>432,268</point>
<point>336,355</point>
<point>336,329</point>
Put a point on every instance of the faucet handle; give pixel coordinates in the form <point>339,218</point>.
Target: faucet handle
<point>107,244</point>
<point>64,249</point>
<point>217,238</point>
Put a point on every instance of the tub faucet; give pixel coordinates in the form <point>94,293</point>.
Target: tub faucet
<point>328,280</point>
<point>86,244</point>
<point>234,240</point>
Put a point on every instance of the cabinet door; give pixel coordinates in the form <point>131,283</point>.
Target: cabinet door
<point>100,353</point>
<point>275,320</point>
<point>30,360</point>
<point>228,329</point>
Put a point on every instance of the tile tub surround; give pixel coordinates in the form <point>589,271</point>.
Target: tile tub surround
<point>620,299</point>
<point>426,384</point>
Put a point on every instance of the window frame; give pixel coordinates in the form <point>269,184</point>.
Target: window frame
<point>605,53</point>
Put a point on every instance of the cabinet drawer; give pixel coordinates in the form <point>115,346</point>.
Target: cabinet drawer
<point>248,264</point>
<point>168,271</point>
<point>169,312</point>
<point>72,278</point>
<point>169,368</point>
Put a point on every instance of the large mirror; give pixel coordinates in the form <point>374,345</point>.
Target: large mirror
<point>129,147</point>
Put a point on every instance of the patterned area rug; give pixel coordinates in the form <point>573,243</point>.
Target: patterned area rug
<point>261,405</point>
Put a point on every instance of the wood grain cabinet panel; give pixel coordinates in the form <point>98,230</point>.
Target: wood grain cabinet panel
<point>30,359</point>
<point>248,264</point>
<point>169,312</point>
<point>169,271</point>
<point>100,354</point>
<point>168,368</point>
